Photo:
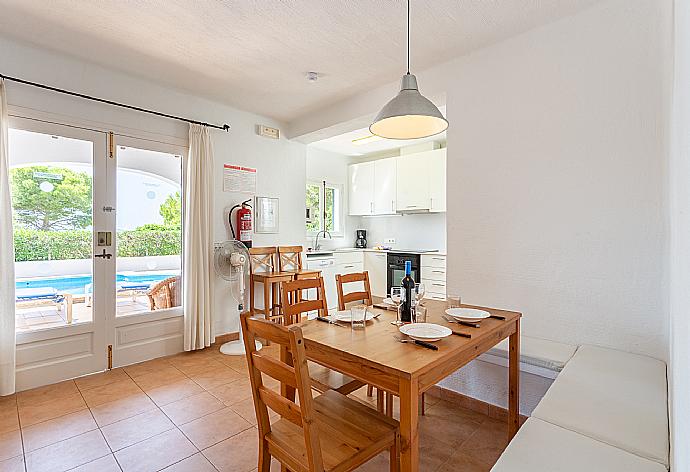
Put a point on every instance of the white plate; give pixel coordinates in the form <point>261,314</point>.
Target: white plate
<point>346,316</point>
<point>425,331</point>
<point>468,314</point>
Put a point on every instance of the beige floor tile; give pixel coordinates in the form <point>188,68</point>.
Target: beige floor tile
<point>32,414</point>
<point>163,376</point>
<point>58,429</point>
<point>15,464</point>
<point>195,463</point>
<point>246,410</point>
<point>214,428</point>
<point>111,392</point>
<point>68,454</point>
<point>447,428</point>
<point>137,428</point>
<point>10,445</point>
<point>104,464</point>
<point>239,363</point>
<point>155,453</point>
<point>9,416</point>
<point>487,443</point>
<point>233,392</point>
<point>173,392</point>
<point>195,364</point>
<point>108,413</point>
<point>459,462</point>
<point>216,377</point>
<point>148,367</point>
<point>191,408</point>
<point>100,379</point>
<point>237,454</point>
<point>47,393</point>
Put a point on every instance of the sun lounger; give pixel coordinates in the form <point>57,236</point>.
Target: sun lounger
<point>25,295</point>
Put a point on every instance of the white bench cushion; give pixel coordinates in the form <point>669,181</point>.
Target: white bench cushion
<point>538,352</point>
<point>614,397</point>
<point>543,447</point>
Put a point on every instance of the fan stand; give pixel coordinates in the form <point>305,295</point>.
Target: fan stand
<point>236,348</point>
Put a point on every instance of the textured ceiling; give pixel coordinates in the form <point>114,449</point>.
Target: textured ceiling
<point>254,54</point>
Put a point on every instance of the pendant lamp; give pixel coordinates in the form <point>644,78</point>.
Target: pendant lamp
<point>409,115</point>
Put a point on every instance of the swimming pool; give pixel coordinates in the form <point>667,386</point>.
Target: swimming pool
<point>75,283</point>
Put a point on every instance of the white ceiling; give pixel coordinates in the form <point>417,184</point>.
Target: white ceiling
<point>254,54</point>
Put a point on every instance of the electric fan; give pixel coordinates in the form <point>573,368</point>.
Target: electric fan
<point>231,260</point>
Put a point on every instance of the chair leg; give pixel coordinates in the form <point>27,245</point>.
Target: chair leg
<point>389,405</point>
<point>423,404</point>
<point>370,390</point>
<point>264,458</point>
<point>379,400</point>
<point>395,455</point>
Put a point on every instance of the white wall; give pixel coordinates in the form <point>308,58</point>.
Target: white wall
<point>332,167</point>
<point>557,148</point>
<point>679,171</point>
<point>278,161</point>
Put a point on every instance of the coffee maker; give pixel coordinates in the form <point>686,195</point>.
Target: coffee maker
<point>361,241</point>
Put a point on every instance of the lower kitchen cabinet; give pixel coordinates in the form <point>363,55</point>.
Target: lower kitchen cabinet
<point>376,263</point>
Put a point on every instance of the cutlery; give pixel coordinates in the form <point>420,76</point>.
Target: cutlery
<point>464,335</point>
<point>384,307</point>
<point>326,320</point>
<point>464,323</point>
<point>498,317</point>
<point>417,342</point>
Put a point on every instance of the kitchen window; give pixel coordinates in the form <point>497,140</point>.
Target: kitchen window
<point>323,197</point>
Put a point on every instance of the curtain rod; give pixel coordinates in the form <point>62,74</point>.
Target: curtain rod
<point>224,127</point>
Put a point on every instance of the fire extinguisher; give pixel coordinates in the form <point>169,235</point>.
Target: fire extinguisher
<point>243,223</point>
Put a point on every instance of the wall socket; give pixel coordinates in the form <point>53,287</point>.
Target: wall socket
<point>389,241</point>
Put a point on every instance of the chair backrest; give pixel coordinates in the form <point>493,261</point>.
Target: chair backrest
<point>294,305</point>
<point>165,294</point>
<point>290,258</point>
<point>262,259</point>
<point>364,296</point>
<point>291,369</point>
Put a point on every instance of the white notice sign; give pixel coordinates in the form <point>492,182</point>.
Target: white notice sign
<point>239,179</point>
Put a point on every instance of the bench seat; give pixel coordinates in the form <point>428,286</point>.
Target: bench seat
<point>550,355</point>
<point>613,397</point>
<point>543,447</point>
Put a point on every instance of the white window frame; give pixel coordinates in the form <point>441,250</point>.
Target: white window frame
<point>341,208</point>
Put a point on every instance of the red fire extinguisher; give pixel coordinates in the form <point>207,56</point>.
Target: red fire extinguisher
<point>243,223</point>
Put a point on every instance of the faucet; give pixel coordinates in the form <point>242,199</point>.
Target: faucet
<point>316,240</point>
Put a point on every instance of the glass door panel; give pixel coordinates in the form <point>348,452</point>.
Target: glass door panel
<point>149,230</point>
<point>51,179</point>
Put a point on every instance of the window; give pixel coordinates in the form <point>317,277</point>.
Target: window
<point>320,198</point>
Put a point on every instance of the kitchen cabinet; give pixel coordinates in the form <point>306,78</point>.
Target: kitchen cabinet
<point>376,263</point>
<point>350,262</point>
<point>384,189</point>
<point>361,188</point>
<point>434,276</point>
<point>421,181</point>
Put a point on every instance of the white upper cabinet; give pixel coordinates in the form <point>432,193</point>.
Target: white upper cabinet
<point>437,181</point>
<point>361,191</point>
<point>384,190</point>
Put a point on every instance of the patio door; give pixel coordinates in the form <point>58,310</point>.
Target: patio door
<point>147,295</point>
<point>59,180</point>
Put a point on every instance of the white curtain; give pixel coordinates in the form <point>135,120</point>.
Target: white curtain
<point>198,241</point>
<point>7,337</point>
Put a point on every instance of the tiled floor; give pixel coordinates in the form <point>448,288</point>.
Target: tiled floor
<point>192,412</point>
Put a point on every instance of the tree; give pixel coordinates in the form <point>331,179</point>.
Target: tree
<point>51,198</point>
<point>171,210</point>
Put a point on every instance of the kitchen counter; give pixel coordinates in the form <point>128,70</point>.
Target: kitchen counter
<point>322,252</point>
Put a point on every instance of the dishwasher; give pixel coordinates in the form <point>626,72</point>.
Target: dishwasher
<point>325,262</point>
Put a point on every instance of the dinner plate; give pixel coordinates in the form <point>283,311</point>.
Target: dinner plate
<point>346,316</point>
<point>468,314</point>
<point>425,331</point>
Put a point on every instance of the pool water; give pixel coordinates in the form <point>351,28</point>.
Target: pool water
<point>76,284</point>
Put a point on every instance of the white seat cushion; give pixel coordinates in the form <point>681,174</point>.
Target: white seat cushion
<point>612,396</point>
<point>538,352</point>
<point>543,447</point>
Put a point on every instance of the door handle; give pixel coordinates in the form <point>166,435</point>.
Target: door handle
<point>103,255</point>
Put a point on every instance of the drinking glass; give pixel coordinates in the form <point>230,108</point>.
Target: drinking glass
<point>453,301</point>
<point>420,288</point>
<point>359,316</point>
<point>397,295</point>
<point>419,314</point>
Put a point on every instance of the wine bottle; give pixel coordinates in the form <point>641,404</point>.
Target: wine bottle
<point>408,289</point>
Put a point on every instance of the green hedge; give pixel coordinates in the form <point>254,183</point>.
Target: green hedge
<point>35,245</point>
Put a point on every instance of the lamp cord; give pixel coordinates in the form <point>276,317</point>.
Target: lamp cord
<point>408,37</point>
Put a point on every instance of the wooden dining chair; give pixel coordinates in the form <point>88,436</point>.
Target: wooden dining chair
<point>295,309</point>
<point>338,433</point>
<point>290,260</point>
<point>362,296</point>
<point>264,270</point>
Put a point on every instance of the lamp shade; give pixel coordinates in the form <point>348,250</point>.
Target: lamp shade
<point>409,115</point>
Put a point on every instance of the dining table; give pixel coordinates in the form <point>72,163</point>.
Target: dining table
<point>375,356</point>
